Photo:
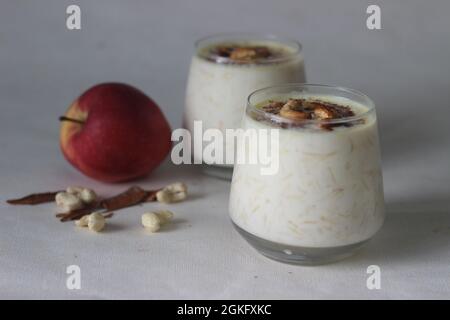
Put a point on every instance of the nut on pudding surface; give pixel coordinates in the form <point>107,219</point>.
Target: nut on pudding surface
<point>328,190</point>
<point>225,69</point>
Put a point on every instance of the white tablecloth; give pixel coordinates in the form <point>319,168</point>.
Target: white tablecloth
<point>43,66</point>
<point>200,255</point>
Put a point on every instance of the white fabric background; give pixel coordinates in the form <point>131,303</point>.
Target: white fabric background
<point>404,67</point>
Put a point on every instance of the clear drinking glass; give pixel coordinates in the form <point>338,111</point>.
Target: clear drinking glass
<point>326,198</point>
<point>218,85</point>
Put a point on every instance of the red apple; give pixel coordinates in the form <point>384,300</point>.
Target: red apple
<point>114,132</point>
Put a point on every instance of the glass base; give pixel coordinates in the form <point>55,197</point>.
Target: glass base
<point>221,172</point>
<point>299,255</point>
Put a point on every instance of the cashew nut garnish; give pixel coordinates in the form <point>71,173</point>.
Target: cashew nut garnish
<point>86,195</point>
<point>94,221</point>
<point>68,202</point>
<point>290,110</point>
<point>172,193</point>
<point>153,221</point>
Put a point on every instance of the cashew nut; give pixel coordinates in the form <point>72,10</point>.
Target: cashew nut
<point>96,222</point>
<point>172,193</point>
<point>86,195</point>
<point>83,222</point>
<point>322,112</point>
<point>290,110</point>
<point>153,221</point>
<point>68,202</point>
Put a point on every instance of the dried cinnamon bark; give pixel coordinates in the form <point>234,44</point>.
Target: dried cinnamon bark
<point>151,195</point>
<point>130,197</point>
<point>77,214</point>
<point>35,198</point>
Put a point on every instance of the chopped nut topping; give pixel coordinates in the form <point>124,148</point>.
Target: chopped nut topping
<point>273,107</point>
<point>242,54</point>
<point>321,112</point>
<point>222,51</point>
<point>292,111</point>
<point>301,109</point>
<point>249,53</point>
<point>294,104</point>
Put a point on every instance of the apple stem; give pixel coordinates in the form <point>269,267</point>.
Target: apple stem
<point>64,118</point>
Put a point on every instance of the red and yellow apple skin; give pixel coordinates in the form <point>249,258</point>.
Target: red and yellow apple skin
<point>113,132</point>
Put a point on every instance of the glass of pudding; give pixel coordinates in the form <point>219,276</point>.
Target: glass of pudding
<point>224,71</point>
<point>325,200</point>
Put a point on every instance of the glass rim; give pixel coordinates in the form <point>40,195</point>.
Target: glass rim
<point>368,102</point>
<point>242,36</point>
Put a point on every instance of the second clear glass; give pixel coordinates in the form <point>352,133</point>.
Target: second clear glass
<point>218,86</point>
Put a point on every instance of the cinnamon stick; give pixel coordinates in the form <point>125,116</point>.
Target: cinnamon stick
<point>151,195</point>
<point>35,198</point>
<point>78,213</point>
<point>130,197</point>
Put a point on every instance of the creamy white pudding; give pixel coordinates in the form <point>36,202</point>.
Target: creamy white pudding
<point>226,69</point>
<point>328,191</point>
